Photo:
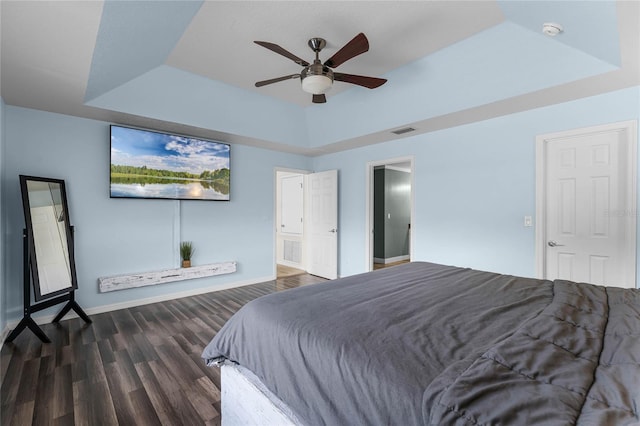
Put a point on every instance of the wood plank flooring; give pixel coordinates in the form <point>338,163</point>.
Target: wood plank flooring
<point>136,366</point>
<point>377,266</point>
<point>287,271</point>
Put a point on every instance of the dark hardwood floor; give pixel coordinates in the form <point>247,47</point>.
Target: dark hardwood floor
<point>136,366</point>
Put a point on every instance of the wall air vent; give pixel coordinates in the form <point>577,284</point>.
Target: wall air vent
<point>403,131</point>
<point>292,251</point>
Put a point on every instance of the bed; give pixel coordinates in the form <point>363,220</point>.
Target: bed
<point>424,343</point>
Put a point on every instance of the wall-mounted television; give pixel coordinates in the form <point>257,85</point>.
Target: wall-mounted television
<point>149,164</point>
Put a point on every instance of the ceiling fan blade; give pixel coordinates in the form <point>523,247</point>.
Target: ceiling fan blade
<point>275,48</point>
<point>360,80</point>
<point>275,80</point>
<point>359,44</point>
<point>319,99</point>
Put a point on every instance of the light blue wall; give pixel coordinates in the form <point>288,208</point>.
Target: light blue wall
<point>194,100</point>
<point>116,236</point>
<point>473,185</point>
<point>3,282</point>
<point>156,27</point>
<point>475,71</point>
<point>603,44</point>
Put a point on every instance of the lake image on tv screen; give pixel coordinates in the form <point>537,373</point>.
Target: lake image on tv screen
<point>146,164</point>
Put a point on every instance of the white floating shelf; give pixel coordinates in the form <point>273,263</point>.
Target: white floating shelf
<point>121,282</point>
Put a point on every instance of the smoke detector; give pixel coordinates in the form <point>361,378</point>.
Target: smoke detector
<point>552,29</point>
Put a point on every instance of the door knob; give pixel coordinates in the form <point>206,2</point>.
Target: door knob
<point>554,244</point>
<point>334,230</point>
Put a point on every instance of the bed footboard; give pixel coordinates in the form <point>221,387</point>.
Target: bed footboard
<point>246,401</point>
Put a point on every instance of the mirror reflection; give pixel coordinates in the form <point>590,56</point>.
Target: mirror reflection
<point>49,227</point>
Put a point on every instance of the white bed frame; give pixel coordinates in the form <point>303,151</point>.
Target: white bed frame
<point>246,400</point>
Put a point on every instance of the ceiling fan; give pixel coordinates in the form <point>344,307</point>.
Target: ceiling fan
<point>317,78</point>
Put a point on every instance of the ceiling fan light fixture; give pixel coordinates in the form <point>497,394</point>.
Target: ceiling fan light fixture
<point>316,84</point>
<point>318,77</point>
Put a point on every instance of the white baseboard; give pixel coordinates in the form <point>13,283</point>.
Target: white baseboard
<point>390,259</point>
<point>45,319</point>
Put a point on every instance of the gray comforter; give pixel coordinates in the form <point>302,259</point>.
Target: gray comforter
<point>431,344</point>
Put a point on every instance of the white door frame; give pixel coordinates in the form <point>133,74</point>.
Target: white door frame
<point>368,240</point>
<point>631,127</point>
<point>275,216</point>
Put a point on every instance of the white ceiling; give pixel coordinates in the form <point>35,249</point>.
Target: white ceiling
<point>398,33</point>
<point>51,49</point>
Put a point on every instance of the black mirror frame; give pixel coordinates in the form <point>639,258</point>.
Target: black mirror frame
<point>32,251</point>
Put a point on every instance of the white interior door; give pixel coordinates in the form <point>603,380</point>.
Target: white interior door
<point>322,214</point>
<point>589,231</point>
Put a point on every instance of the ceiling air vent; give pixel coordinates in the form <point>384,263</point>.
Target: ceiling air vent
<point>403,131</point>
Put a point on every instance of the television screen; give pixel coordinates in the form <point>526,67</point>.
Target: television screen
<point>146,164</point>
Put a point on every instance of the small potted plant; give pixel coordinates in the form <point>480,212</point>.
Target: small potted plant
<point>186,251</point>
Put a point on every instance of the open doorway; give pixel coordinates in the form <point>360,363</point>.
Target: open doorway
<point>290,232</point>
<point>306,223</point>
<point>390,212</point>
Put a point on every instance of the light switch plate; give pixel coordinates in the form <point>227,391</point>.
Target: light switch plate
<point>528,221</point>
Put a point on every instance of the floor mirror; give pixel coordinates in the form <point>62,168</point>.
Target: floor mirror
<point>49,261</point>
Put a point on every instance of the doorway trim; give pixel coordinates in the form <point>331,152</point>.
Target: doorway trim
<point>275,215</point>
<point>630,211</point>
<point>368,235</point>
